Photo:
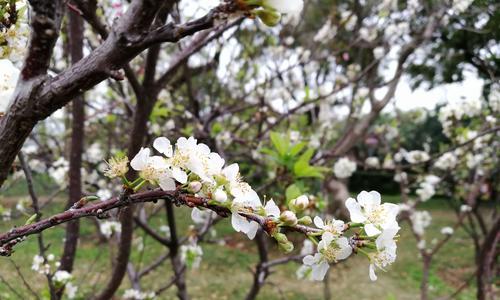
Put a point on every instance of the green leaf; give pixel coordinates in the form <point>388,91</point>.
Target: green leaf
<point>280,143</point>
<point>31,219</point>
<point>292,192</point>
<point>297,148</point>
<point>216,129</point>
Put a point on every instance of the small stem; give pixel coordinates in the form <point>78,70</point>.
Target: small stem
<point>364,252</point>
<point>135,182</point>
<point>313,239</point>
<point>140,185</point>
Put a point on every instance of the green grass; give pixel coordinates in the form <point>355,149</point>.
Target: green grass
<point>225,269</point>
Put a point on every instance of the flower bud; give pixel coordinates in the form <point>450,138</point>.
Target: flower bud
<point>288,218</point>
<point>195,186</point>
<point>286,247</point>
<point>284,244</point>
<point>269,17</point>
<point>305,220</point>
<point>220,196</point>
<point>301,202</point>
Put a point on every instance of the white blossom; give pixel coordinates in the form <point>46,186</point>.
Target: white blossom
<point>138,295</point>
<point>386,251</point>
<point>307,248</point>
<point>464,208</point>
<point>109,227</point>
<point>330,250</point>
<point>421,244</point>
<point>8,79</point>
<point>293,7</point>
<point>372,162</point>
<point>416,156</point>
<point>420,221</point>
<point>344,168</point>
<point>447,161</point>
<point>200,217</point>
<point>447,230</point>
<point>71,290</point>
<point>335,227</point>
<point>191,255</point>
<point>401,177</point>
<point>376,217</point>
<point>62,277</point>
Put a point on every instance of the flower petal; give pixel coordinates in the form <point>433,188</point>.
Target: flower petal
<point>140,160</point>
<point>239,223</point>
<point>167,183</point>
<point>272,209</point>
<point>319,271</point>
<point>231,172</point>
<point>318,222</point>
<point>179,175</point>
<point>376,199</point>
<point>371,230</point>
<point>252,230</point>
<point>373,276</point>
<point>355,211</point>
<point>345,248</point>
<point>162,145</point>
<point>308,260</point>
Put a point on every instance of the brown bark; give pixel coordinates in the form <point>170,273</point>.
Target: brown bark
<point>37,95</point>
<point>486,264</point>
<point>261,270</point>
<point>77,137</point>
<point>177,265</point>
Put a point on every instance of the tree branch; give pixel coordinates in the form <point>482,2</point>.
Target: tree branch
<point>16,235</point>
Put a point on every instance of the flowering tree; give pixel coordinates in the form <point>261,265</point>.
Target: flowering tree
<point>250,89</point>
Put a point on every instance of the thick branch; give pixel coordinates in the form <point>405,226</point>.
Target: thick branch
<point>37,99</point>
<point>9,239</point>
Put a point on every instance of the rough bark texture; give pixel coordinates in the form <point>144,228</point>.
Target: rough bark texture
<point>261,272</point>
<point>37,95</point>
<point>177,265</point>
<point>77,138</point>
<point>486,265</point>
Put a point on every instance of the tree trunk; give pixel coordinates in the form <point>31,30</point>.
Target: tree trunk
<point>487,264</point>
<point>177,265</point>
<point>77,137</point>
<point>424,285</point>
<point>261,271</point>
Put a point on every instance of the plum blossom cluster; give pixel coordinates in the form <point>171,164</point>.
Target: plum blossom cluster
<point>138,295</point>
<point>447,161</point>
<point>377,227</point>
<point>456,111</point>
<point>44,265</point>
<point>191,255</point>
<point>344,168</point>
<point>420,221</point>
<point>8,79</point>
<point>60,278</point>
<point>190,167</point>
<point>427,187</point>
<point>14,29</point>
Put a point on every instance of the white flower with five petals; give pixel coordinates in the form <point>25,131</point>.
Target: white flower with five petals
<point>374,215</point>
<point>386,251</point>
<point>330,250</point>
<point>336,227</point>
